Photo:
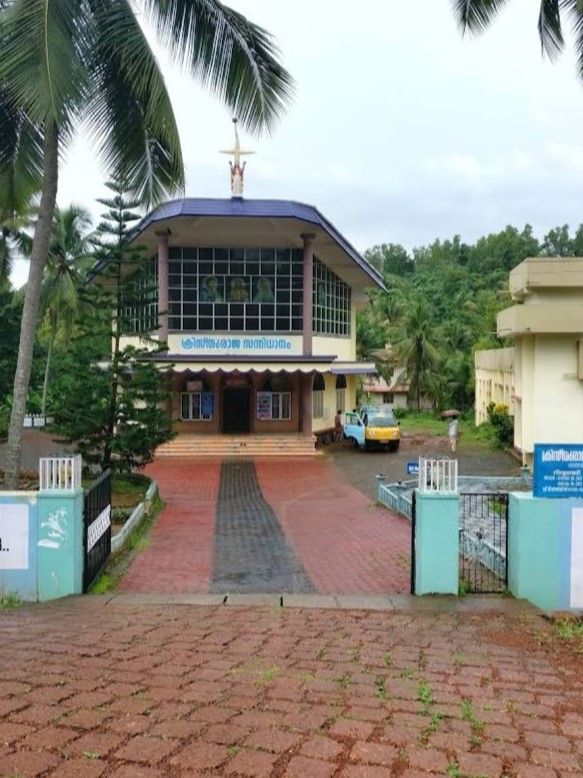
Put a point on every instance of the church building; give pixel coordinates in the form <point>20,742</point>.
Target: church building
<point>257,303</point>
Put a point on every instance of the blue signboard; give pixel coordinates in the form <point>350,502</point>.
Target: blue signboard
<point>412,468</point>
<point>558,470</point>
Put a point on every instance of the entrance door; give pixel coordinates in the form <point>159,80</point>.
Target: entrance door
<point>236,416</point>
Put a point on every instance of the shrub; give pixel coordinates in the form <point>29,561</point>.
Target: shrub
<point>502,422</point>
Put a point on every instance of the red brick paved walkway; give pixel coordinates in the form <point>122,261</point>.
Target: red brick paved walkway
<point>345,543</point>
<point>96,690</point>
<point>179,556</point>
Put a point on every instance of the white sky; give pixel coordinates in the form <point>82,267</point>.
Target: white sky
<point>401,131</point>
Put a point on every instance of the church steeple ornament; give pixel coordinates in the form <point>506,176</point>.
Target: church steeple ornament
<point>237,167</point>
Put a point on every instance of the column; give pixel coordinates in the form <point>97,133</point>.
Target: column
<point>163,236</point>
<point>306,389</point>
<point>308,298</point>
<point>437,529</point>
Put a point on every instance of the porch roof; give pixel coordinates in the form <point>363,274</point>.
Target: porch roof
<point>182,363</point>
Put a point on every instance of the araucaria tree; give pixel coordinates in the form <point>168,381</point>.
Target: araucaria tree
<point>116,409</point>
<point>67,62</point>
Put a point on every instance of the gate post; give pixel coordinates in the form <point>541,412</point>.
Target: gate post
<point>436,543</point>
<point>60,528</point>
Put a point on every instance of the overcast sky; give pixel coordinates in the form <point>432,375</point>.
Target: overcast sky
<point>401,131</point>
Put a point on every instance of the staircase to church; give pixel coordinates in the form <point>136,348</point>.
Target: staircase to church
<point>225,446</point>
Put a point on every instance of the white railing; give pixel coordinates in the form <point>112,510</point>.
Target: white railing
<point>60,473</point>
<point>437,474</point>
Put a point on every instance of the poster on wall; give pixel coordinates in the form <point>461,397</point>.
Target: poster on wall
<point>264,406</point>
<point>13,537</point>
<point>207,405</point>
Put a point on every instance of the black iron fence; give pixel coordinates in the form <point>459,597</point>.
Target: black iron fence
<point>96,528</point>
<point>483,542</point>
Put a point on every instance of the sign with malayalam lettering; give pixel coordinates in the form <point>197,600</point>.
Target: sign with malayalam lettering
<point>412,468</point>
<point>558,470</point>
<point>236,344</point>
<point>13,537</point>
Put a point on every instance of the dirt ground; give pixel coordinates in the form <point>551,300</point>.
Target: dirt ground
<point>359,468</point>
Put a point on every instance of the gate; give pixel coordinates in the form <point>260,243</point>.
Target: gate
<point>483,542</point>
<point>96,528</point>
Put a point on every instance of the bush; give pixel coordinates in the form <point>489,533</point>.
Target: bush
<point>400,413</point>
<point>502,422</point>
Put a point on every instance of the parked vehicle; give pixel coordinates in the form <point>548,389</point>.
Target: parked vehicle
<point>369,429</point>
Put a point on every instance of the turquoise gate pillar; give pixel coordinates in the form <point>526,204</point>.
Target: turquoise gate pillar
<point>436,527</point>
<point>60,528</point>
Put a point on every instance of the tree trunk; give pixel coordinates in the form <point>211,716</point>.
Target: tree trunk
<point>38,258</point>
<point>47,371</point>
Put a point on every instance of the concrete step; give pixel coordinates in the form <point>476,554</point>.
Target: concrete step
<point>232,446</point>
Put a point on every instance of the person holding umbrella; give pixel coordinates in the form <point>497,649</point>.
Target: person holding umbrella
<point>452,431</point>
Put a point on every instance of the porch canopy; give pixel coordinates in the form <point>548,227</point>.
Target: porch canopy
<point>211,364</point>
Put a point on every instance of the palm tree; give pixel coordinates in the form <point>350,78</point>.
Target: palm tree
<point>476,15</point>
<point>415,352</point>
<point>70,257</point>
<point>70,61</point>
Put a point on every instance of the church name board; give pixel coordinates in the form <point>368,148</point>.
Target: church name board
<point>245,344</point>
<point>558,470</point>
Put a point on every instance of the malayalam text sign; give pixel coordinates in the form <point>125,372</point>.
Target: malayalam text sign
<point>558,470</point>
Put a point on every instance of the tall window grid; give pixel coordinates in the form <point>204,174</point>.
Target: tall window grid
<point>140,299</point>
<point>319,387</point>
<point>340,393</point>
<point>331,308</point>
<point>235,290</point>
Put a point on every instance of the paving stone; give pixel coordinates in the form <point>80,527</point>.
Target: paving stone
<point>301,767</point>
<point>373,753</point>
<point>251,763</point>
<point>146,749</point>
<point>27,764</point>
<point>272,740</point>
<point>203,756</point>
<point>360,730</point>
<point>321,747</point>
<point>74,768</point>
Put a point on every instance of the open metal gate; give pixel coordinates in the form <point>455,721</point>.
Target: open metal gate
<point>96,528</point>
<point>483,542</point>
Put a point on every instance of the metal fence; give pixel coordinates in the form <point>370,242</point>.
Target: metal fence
<point>483,542</point>
<point>438,474</point>
<point>96,528</point>
<point>60,473</point>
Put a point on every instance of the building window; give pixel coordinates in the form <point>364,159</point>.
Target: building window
<point>318,396</point>
<point>341,393</point>
<point>235,290</point>
<point>388,397</point>
<point>331,308</point>
<point>139,299</point>
<point>274,401</point>
<point>198,402</point>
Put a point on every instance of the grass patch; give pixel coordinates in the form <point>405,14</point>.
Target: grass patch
<point>429,424</point>
<point>10,600</point>
<point>118,564</point>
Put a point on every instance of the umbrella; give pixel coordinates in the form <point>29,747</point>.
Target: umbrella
<point>451,412</point>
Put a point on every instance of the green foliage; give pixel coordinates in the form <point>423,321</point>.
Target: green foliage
<point>115,412</point>
<point>10,600</point>
<point>461,288</point>
<point>502,422</point>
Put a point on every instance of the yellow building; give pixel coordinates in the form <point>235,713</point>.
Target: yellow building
<point>494,378</point>
<point>547,326</point>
